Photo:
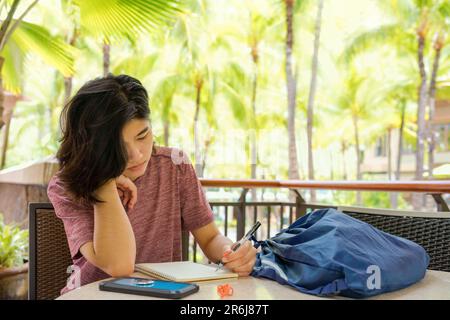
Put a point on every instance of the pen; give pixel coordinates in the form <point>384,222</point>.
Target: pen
<point>238,244</point>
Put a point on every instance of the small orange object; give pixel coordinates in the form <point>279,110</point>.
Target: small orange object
<point>224,290</point>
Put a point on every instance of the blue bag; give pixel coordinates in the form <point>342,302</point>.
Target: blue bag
<point>328,252</point>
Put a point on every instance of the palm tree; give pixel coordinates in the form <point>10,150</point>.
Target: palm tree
<point>259,27</point>
<point>439,42</point>
<point>357,100</point>
<point>240,82</point>
<point>312,91</point>
<point>291,86</point>
<point>202,72</point>
<point>163,97</point>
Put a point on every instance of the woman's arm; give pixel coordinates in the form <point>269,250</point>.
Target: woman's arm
<point>211,241</point>
<point>114,246</point>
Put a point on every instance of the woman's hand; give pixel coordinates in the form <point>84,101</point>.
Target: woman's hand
<point>127,191</point>
<point>242,260</point>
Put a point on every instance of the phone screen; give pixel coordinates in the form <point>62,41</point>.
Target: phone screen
<point>155,284</point>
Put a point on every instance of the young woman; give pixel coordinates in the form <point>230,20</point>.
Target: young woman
<point>122,199</point>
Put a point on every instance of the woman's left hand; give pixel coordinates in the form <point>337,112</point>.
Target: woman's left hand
<point>242,260</point>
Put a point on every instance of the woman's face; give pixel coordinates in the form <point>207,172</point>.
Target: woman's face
<point>138,138</point>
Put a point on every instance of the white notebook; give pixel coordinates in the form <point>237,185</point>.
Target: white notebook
<point>184,271</point>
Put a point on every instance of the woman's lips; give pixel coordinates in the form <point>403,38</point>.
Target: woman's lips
<point>137,167</point>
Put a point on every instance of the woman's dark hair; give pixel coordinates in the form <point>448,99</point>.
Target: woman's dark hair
<point>92,150</point>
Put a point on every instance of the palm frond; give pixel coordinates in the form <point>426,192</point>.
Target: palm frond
<point>386,34</point>
<point>238,106</point>
<point>136,66</point>
<point>120,18</point>
<point>12,71</point>
<point>53,50</point>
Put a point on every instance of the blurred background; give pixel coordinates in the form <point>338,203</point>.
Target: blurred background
<point>346,91</point>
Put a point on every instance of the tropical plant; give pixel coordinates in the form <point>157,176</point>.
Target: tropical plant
<point>13,245</point>
<point>18,38</point>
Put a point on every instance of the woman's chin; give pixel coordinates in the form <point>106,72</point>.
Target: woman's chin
<point>134,174</point>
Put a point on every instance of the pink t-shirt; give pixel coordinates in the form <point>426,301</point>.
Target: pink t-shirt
<point>170,199</point>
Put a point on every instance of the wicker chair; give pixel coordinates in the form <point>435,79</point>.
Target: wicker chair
<point>429,229</point>
<point>49,253</point>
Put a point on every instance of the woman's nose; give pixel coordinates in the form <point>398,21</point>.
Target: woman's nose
<point>134,155</point>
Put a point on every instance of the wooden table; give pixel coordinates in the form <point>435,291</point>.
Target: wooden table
<point>435,285</point>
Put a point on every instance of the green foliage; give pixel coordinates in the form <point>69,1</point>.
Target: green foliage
<point>53,50</point>
<point>126,18</point>
<point>13,245</point>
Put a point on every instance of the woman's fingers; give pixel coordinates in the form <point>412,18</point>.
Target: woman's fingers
<point>133,190</point>
<point>238,254</point>
<point>126,198</point>
<point>121,195</point>
<point>246,269</point>
<point>242,260</point>
<point>129,189</point>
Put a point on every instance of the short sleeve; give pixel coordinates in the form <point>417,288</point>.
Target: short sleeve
<point>78,218</point>
<point>195,209</point>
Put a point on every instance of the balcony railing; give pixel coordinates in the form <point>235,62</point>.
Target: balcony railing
<point>285,212</point>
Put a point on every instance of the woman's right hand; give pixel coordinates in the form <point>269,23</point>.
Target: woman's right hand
<point>127,191</point>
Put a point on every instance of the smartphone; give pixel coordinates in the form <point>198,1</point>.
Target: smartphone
<point>149,287</point>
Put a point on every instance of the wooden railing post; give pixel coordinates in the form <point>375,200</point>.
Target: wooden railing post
<point>240,219</point>
<point>440,202</point>
<point>300,204</point>
<point>185,245</point>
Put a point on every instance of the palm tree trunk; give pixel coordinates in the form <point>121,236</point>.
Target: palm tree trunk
<point>389,153</point>
<point>392,196</point>
<point>417,200</point>
<point>198,160</point>
<point>291,91</point>
<point>432,98</point>
<point>166,132</point>
<point>68,80</point>
<point>2,94</point>
<point>312,92</point>
<point>50,110</point>
<point>106,57</point>
<point>344,168</point>
<point>331,166</point>
<point>358,155</point>
<point>6,139</point>
<point>205,154</point>
<point>253,142</point>
<point>394,199</point>
<point>400,142</point>
<point>421,109</point>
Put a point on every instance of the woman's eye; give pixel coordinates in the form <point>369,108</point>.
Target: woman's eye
<point>143,137</point>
